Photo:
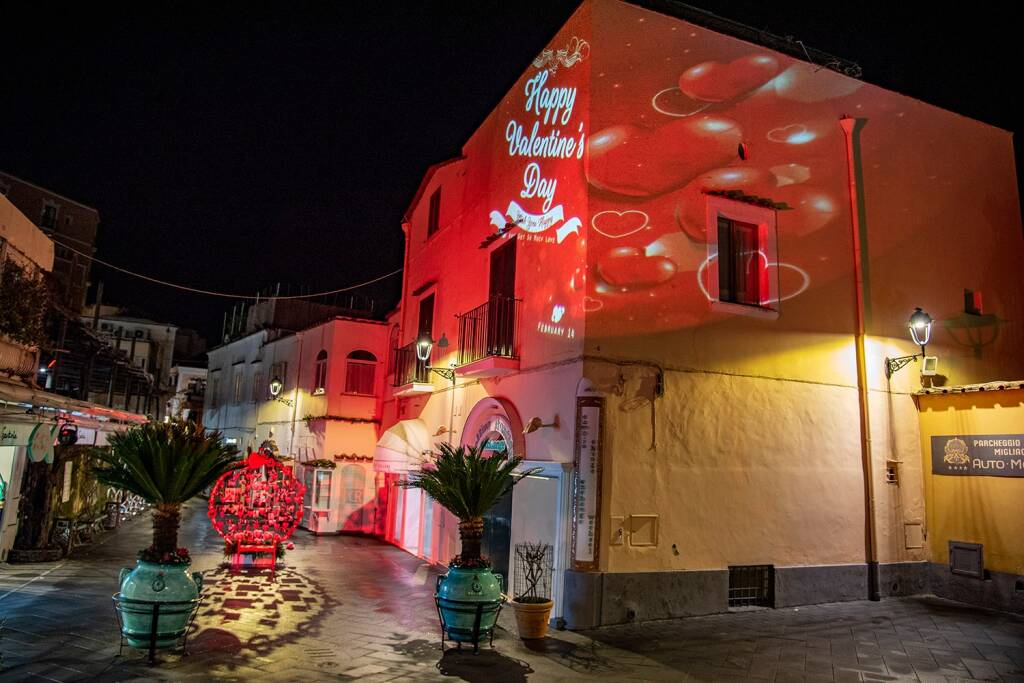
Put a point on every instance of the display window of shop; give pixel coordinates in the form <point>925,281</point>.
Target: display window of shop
<point>353,484</point>
<point>428,528</point>
<point>318,488</point>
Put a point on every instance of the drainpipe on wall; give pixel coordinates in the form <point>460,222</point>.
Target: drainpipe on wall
<point>407,229</point>
<point>850,126</point>
<point>295,401</point>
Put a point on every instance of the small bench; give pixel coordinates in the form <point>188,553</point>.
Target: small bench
<point>267,562</point>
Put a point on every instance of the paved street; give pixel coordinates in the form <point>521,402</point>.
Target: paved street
<point>349,608</point>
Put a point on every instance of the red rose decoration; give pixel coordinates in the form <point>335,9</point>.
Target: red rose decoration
<point>246,502</point>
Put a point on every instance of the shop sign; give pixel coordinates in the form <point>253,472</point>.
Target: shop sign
<point>500,426</point>
<point>586,481</point>
<point>979,455</point>
<point>40,445</point>
<point>16,433</point>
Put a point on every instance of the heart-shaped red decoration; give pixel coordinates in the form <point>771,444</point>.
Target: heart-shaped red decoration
<point>717,82</point>
<point>628,268</point>
<point>638,162</point>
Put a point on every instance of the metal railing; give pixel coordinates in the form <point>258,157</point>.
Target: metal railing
<point>408,368</point>
<point>490,329</point>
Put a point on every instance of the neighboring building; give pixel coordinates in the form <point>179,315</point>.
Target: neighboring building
<point>31,416</point>
<point>148,343</point>
<point>188,385</point>
<point>70,224</point>
<point>149,347</point>
<point>655,288</point>
<point>328,377</point>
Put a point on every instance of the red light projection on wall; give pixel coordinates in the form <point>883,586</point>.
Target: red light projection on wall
<point>541,192</point>
<point>680,113</point>
<point>602,157</point>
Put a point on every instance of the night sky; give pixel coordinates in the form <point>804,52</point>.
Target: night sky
<point>234,147</point>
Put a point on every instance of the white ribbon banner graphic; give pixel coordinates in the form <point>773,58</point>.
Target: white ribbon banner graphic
<point>533,222</point>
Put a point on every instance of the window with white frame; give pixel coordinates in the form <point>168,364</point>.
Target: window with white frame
<point>360,373</point>
<point>320,374</point>
<point>740,273</point>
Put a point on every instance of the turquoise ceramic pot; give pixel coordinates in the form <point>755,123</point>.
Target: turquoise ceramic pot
<point>163,583</point>
<point>461,595</point>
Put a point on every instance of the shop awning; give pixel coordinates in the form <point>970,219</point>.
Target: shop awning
<point>401,448</point>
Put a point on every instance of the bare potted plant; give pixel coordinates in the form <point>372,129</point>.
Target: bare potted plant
<point>532,597</point>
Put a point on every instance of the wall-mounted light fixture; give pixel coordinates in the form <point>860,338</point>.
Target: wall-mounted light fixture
<point>424,345</point>
<point>276,386</point>
<point>442,430</point>
<point>920,326</point>
<point>536,423</point>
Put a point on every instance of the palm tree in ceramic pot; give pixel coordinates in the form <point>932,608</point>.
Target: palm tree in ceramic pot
<point>167,464</point>
<point>468,481</point>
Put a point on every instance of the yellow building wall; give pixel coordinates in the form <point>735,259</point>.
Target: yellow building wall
<point>987,510</point>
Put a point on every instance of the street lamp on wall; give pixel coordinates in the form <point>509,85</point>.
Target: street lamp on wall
<point>424,345</point>
<point>276,386</point>
<point>920,326</point>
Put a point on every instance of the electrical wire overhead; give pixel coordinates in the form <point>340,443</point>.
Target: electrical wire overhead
<point>226,295</point>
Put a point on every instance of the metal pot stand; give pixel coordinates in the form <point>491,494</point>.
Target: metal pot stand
<point>133,606</point>
<point>477,609</point>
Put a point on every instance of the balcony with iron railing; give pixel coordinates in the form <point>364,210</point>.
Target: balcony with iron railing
<point>410,374</point>
<point>489,338</point>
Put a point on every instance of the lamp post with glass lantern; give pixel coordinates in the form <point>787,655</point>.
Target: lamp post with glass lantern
<point>424,345</point>
<point>276,386</point>
<point>920,326</point>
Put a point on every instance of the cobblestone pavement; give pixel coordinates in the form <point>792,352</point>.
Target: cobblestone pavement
<point>350,608</point>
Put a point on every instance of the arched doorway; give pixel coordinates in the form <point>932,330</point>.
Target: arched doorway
<point>494,425</point>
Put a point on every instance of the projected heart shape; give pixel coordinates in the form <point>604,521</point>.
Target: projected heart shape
<point>794,134</point>
<point>717,82</point>
<point>619,224</point>
<point>640,162</point>
<point>628,268</point>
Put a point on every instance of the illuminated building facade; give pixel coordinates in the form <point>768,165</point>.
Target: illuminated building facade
<point>688,256</point>
<point>315,392</point>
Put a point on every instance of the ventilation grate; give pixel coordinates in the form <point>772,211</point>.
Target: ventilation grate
<point>966,559</point>
<point>752,586</point>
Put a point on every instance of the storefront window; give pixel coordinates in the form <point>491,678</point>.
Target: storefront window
<point>307,497</point>
<point>323,489</point>
<point>428,526</point>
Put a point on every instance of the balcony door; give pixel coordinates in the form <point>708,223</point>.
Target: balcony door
<point>501,300</point>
